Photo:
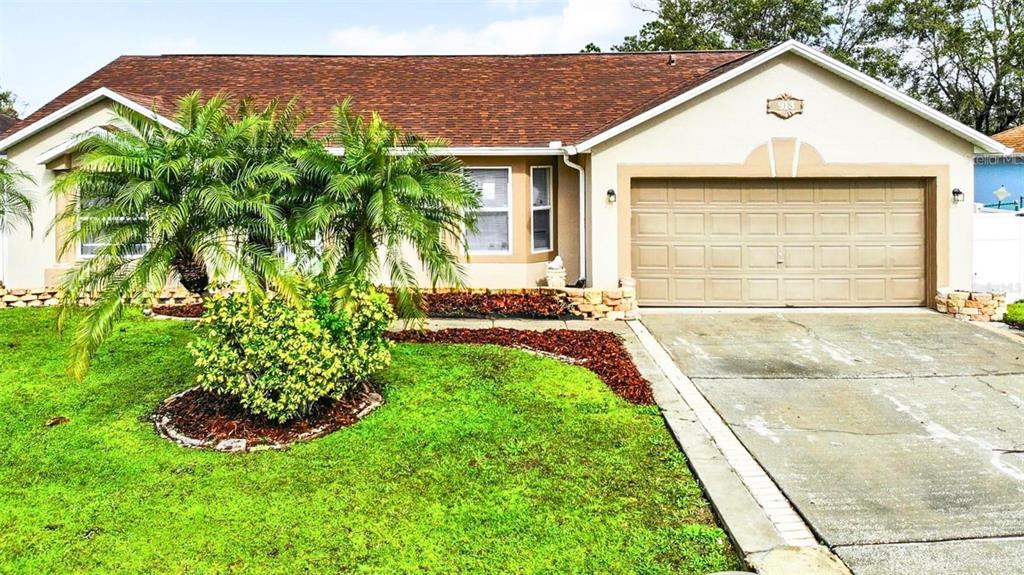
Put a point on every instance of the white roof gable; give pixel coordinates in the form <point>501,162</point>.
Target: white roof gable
<point>821,59</point>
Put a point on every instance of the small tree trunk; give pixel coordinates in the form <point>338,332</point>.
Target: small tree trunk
<point>192,272</point>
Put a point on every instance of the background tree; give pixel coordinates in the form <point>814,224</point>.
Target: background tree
<point>388,196</point>
<point>963,57</point>
<point>8,101</point>
<point>162,202</point>
<point>747,25</point>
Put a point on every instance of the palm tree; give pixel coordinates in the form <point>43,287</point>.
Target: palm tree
<point>160,203</point>
<point>388,191</point>
<point>15,206</point>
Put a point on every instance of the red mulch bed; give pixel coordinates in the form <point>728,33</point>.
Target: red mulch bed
<point>537,304</point>
<point>599,351</point>
<point>192,310</point>
<point>208,416</point>
<point>531,305</point>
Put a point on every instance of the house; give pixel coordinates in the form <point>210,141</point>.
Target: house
<point>999,178</point>
<point>720,178</point>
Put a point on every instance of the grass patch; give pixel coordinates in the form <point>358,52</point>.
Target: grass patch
<point>483,460</point>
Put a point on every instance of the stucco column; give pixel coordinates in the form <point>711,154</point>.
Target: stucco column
<point>604,229</point>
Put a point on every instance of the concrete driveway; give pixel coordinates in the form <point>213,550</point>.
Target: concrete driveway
<point>897,435</point>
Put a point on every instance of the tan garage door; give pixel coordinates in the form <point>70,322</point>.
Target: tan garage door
<point>836,242</point>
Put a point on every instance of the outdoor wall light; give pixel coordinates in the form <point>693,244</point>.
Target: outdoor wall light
<point>612,198</point>
<point>958,196</point>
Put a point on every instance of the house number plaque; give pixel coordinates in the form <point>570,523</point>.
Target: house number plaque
<point>785,106</point>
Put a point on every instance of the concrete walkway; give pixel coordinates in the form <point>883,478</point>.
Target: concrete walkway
<point>898,436</point>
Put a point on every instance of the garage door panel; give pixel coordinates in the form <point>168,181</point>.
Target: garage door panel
<point>725,291</point>
<point>798,290</point>
<point>869,290</point>
<point>906,257</point>
<point>688,224</point>
<point>834,257</point>
<point>767,193</point>
<point>869,192</point>
<point>651,223</point>
<point>763,291</point>
<point>906,193</point>
<point>779,242</point>
<point>726,193</point>
<point>834,290</point>
<point>689,257</point>
<point>797,193</point>
<point>869,224</point>
<point>870,257</point>
<point>726,224</point>
<point>906,289</point>
<point>651,257</point>
<point>834,224</point>
<point>650,195</point>
<point>797,224</point>
<point>762,257</point>
<point>654,290</point>
<point>687,194</point>
<point>833,192</point>
<point>798,258</point>
<point>725,258</point>
<point>691,291</point>
<point>762,224</point>
<point>906,224</point>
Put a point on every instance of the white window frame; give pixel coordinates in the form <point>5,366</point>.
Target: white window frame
<point>508,210</point>
<point>550,207</point>
<point>84,256</point>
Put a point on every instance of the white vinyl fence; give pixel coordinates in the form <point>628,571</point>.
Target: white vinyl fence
<point>999,252</point>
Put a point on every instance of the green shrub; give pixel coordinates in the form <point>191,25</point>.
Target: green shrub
<point>1015,315</point>
<point>280,359</point>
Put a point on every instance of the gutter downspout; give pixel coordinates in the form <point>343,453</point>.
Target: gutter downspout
<point>566,152</point>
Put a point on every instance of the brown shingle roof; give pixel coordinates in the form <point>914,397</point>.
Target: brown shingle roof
<point>468,100</point>
<point>1014,138</point>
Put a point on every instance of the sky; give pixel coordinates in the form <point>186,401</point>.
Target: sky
<point>48,46</point>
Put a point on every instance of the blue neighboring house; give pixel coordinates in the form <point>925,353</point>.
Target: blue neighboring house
<point>992,173</point>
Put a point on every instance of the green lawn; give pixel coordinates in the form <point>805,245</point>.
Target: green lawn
<point>483,460</point>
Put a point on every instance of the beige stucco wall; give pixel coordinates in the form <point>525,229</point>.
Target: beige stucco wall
<point>845,123</point>
<point>32,259</point>
<point>522,267</point>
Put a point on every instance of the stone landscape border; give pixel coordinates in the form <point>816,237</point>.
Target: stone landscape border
<point>971,306</point>
<point>50,296</point>
<point>588,303</point>
<point>164,428</point>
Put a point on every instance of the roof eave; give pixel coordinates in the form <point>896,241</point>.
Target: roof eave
<point>80,104</point>
<point>475,151</point>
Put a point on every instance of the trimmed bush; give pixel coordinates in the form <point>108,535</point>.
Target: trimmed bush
<point>1015,315</point>
<point>279,360</point>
